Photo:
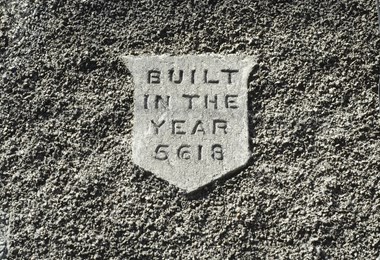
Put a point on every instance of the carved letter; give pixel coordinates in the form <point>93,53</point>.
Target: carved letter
<point>218,123</point>
<point>215,101</point>
<point>160,153</point>
<point>206,80</point>
<point>171,73</point>
<point>198,127</point>
<point>154,76</point>
<point>176,127</point>
<point>157,126</point>
<point>192,76</point>
<point>230,74</point>
<point>183,153</point>
<point>190,97</point>
<point>217,152</point>
<point>160,100</point>
<point>231,101</point>
<point>146,98</point>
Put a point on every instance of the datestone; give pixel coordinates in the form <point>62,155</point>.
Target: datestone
<point>191,124</point>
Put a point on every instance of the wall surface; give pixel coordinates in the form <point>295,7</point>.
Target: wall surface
<point>68,187</point>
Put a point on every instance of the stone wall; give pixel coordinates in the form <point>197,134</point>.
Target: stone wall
<point>69,189</point>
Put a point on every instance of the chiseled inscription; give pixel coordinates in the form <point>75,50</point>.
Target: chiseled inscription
<point>190,123</point>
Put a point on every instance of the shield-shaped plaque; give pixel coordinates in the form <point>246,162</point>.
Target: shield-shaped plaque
<point>190,116</point>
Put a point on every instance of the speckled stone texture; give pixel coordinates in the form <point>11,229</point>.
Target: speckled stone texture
<point>68,187</point>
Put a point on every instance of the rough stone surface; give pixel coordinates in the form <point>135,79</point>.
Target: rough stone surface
<point>190,116</point>
<point>4,226</point>
<point>67,180</point>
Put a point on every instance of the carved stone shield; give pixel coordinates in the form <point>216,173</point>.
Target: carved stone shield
<point>190,116</point>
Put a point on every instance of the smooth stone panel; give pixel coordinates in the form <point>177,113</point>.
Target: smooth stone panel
<point>190,116</point>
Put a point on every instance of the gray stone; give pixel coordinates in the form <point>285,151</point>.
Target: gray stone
<point>191,124</point>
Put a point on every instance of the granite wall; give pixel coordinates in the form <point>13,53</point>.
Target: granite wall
<point>68,187</point>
